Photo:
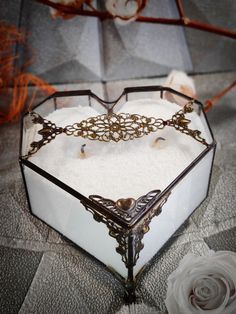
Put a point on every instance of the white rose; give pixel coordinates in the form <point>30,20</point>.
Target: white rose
<point>182,83</point>
<point>125,11</point>
<point>73,3</point>
<point>203,285</point>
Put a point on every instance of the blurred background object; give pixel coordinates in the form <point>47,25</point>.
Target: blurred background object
<point>87,48</point>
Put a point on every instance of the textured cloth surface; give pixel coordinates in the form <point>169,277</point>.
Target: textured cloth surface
<point>42,272</point>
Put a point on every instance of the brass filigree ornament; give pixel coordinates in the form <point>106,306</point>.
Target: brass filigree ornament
<point>127,209</point>
<point>129,212</point>
<point>114,127</point>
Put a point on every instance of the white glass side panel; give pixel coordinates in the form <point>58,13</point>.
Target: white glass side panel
<point>184,199</point>
<point>66,214</point>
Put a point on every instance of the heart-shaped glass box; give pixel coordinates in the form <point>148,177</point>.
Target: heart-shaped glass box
<point>126,232</point>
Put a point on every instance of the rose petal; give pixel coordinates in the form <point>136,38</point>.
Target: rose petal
<point>218,294</point>
<point>204,284</point>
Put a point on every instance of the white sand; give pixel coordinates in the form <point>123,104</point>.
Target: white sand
<point>123,169</point>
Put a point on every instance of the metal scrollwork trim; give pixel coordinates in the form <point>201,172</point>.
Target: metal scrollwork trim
<point>143,226</point>
<point>115,231</point>
<point>114,127</point>
<point>180,123</point>
<point>127,214</point>
<point>48,132</point>
<point>137,232</point>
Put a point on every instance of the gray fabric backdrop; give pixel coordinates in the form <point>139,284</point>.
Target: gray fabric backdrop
<point>40,271</point>
<point>85,49</point>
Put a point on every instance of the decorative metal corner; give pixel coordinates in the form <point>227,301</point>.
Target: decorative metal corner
<point>126,235</point>
<point>180,123</point>
<point>48,132</point>
<point>127,209</point>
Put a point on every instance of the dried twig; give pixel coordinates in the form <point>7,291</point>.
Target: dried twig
<point>184,20</point>
<point>212,101</point>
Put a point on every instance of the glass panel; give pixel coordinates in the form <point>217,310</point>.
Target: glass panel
<point>185,197</point>
<point>67,215</point>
